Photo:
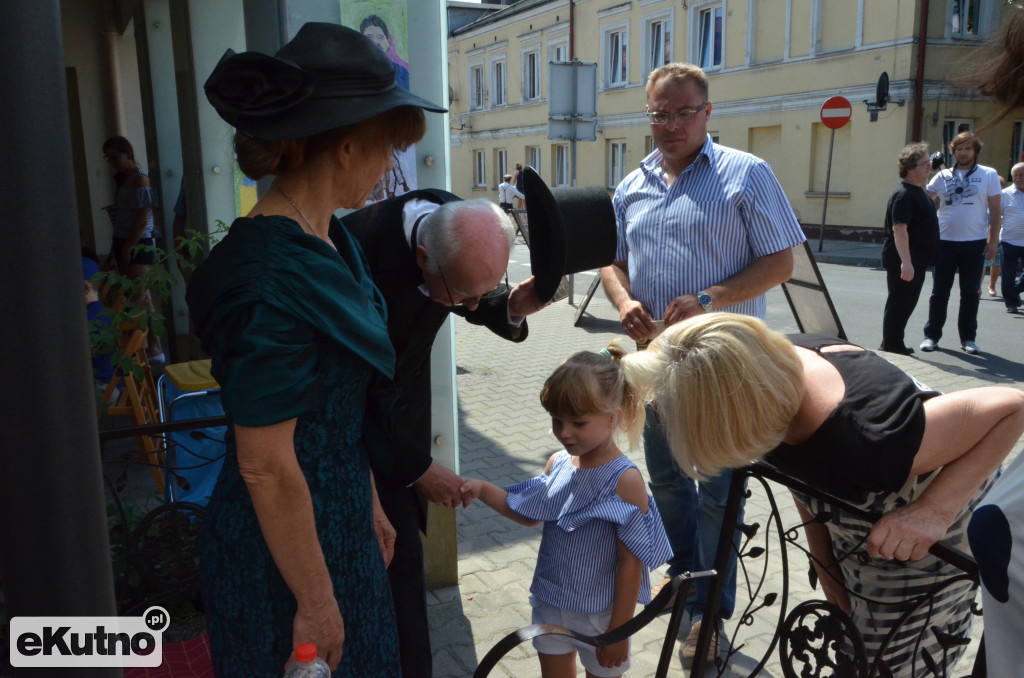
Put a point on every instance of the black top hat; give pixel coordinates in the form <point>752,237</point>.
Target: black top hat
<point>327,76</point>
<point>559,245</point>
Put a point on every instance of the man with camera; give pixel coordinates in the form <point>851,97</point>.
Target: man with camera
<point>969,221</point>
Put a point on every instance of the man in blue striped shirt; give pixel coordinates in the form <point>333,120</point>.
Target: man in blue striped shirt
<point>701,227</point>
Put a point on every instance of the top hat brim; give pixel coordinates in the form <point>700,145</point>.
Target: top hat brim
<point>559,246</point>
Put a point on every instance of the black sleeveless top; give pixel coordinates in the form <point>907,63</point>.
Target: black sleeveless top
<point>868,443</point>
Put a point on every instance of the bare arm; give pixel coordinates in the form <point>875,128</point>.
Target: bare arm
<point>995,223</point>
<point>284,509</point>
<point>967,436</point>
<point>141,216</point>
<point>635,319</point>
<point>819,543</point>
<point>753,281</point>
<point>902,242</point>
<point>382,527</point>
<point>628,573</point>
<point>493,496</point>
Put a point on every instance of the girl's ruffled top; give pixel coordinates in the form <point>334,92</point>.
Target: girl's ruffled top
<point>584,519</point>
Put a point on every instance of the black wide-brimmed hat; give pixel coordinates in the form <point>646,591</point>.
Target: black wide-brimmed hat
<point>327,76</point>
<point>571,230</point>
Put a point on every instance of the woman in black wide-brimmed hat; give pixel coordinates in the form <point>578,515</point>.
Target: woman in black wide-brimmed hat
<point>292,548</point>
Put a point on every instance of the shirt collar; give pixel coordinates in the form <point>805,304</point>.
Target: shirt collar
<point>411,213</point>
<point>652,163</point>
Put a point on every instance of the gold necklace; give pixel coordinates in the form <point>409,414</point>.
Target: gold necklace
<point>312,231</point>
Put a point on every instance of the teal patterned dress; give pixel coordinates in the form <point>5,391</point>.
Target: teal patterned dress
<point>295,330</point>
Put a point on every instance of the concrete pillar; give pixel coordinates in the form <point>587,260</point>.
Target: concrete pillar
<point>54,550</point>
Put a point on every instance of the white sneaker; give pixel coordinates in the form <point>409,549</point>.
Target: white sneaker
<point>929,345</point>
<point>970,347</point>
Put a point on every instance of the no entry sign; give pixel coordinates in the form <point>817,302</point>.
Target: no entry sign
<point>836,112</point>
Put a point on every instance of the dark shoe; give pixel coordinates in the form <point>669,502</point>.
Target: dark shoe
<point>902,350</point>
<point>1011,309</point>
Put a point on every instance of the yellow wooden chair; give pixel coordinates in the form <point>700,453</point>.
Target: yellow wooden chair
<point>137,398</point>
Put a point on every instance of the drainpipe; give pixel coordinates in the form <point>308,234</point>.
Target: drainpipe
<point>922,41</point>
<point>572,30</point>
<point>114,74</point>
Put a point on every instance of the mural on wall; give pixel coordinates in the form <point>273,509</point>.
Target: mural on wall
<point>384,22</point>
<point>245,193</point>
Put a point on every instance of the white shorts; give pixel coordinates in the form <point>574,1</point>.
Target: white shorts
<point>587,623</point>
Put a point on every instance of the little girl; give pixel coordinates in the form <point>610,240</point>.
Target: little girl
<point>602,532</point>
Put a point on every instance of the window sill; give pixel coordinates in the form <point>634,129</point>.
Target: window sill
<point>840,195</point>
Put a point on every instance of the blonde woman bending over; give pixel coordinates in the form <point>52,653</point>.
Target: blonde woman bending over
<point>841,419</point>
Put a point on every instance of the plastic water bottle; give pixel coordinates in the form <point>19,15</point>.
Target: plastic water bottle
<point>306,664</point>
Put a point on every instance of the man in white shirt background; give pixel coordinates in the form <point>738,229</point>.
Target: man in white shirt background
<point>506,191</point>
<point>969,219</point>
<point>1011,238</point>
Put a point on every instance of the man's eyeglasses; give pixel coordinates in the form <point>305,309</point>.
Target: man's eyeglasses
<point>470,301</point>
<point>681,116</point>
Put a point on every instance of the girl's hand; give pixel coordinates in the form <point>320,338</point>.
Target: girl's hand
<point>322,625</point>
<point>470,490</point>
<point>613,655</point>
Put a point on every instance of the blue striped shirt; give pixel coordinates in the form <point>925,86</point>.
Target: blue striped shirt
<point>722,213</point>
<point>584,519</point>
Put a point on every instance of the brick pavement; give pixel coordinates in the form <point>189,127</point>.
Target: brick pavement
<point>505,438</point>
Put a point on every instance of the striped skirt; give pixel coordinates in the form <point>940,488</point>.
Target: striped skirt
<point>882,591</point>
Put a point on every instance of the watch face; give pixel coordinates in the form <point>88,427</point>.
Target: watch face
<point>704,299</point>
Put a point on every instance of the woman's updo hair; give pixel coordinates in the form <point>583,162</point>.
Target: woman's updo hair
<point>592,383</point>
<point>725,387</point>
<point>395,129</point>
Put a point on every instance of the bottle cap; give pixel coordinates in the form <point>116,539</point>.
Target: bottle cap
<point>305,653</point>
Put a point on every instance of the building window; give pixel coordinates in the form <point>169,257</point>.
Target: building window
<point>657,44</point>
<point>531,75</point>
<point>477,88</point>
<point>498,84</point>
<point>500,165</point>
<point>616,57</point>
<point>966,16</point>
<point>1016,145</point>
<point>616,162</point>
<point>648,145</point>
<point>479,170</point>
<point>950,128</point>
<point>533,158</point>
<point>558,52</point>
<point>709,37</point>
<point>561,165</point>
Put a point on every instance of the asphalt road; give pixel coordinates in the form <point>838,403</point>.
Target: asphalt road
<point>858,294</point>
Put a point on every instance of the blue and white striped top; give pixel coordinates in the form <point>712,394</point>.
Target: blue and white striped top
<point>583,522</point>
<point>722,213</point>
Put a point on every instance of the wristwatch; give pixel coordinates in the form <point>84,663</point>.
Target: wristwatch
<point>704,299</point>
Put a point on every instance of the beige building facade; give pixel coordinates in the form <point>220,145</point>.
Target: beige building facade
<point>771,65</point>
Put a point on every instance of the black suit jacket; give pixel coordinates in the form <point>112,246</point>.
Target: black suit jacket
<point>413,322</point>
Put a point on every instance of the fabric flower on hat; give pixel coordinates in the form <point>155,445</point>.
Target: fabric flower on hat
<point>257,85</point>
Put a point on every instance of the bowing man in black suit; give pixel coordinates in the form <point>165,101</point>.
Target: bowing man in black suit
<point>431,254</point>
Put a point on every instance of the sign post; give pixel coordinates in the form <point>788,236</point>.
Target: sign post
<point>835,113</point>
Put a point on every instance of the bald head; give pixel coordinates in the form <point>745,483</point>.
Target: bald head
<point>468,243</point>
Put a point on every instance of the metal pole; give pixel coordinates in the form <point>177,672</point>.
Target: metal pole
<point>828,177</point>
<point>54,547</point>
<point>572,146</point>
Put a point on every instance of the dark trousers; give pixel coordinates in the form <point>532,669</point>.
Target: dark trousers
<point>967,259</point>
<point>1011,260</point>
<point>899,305</point>
<point>408,582</point>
